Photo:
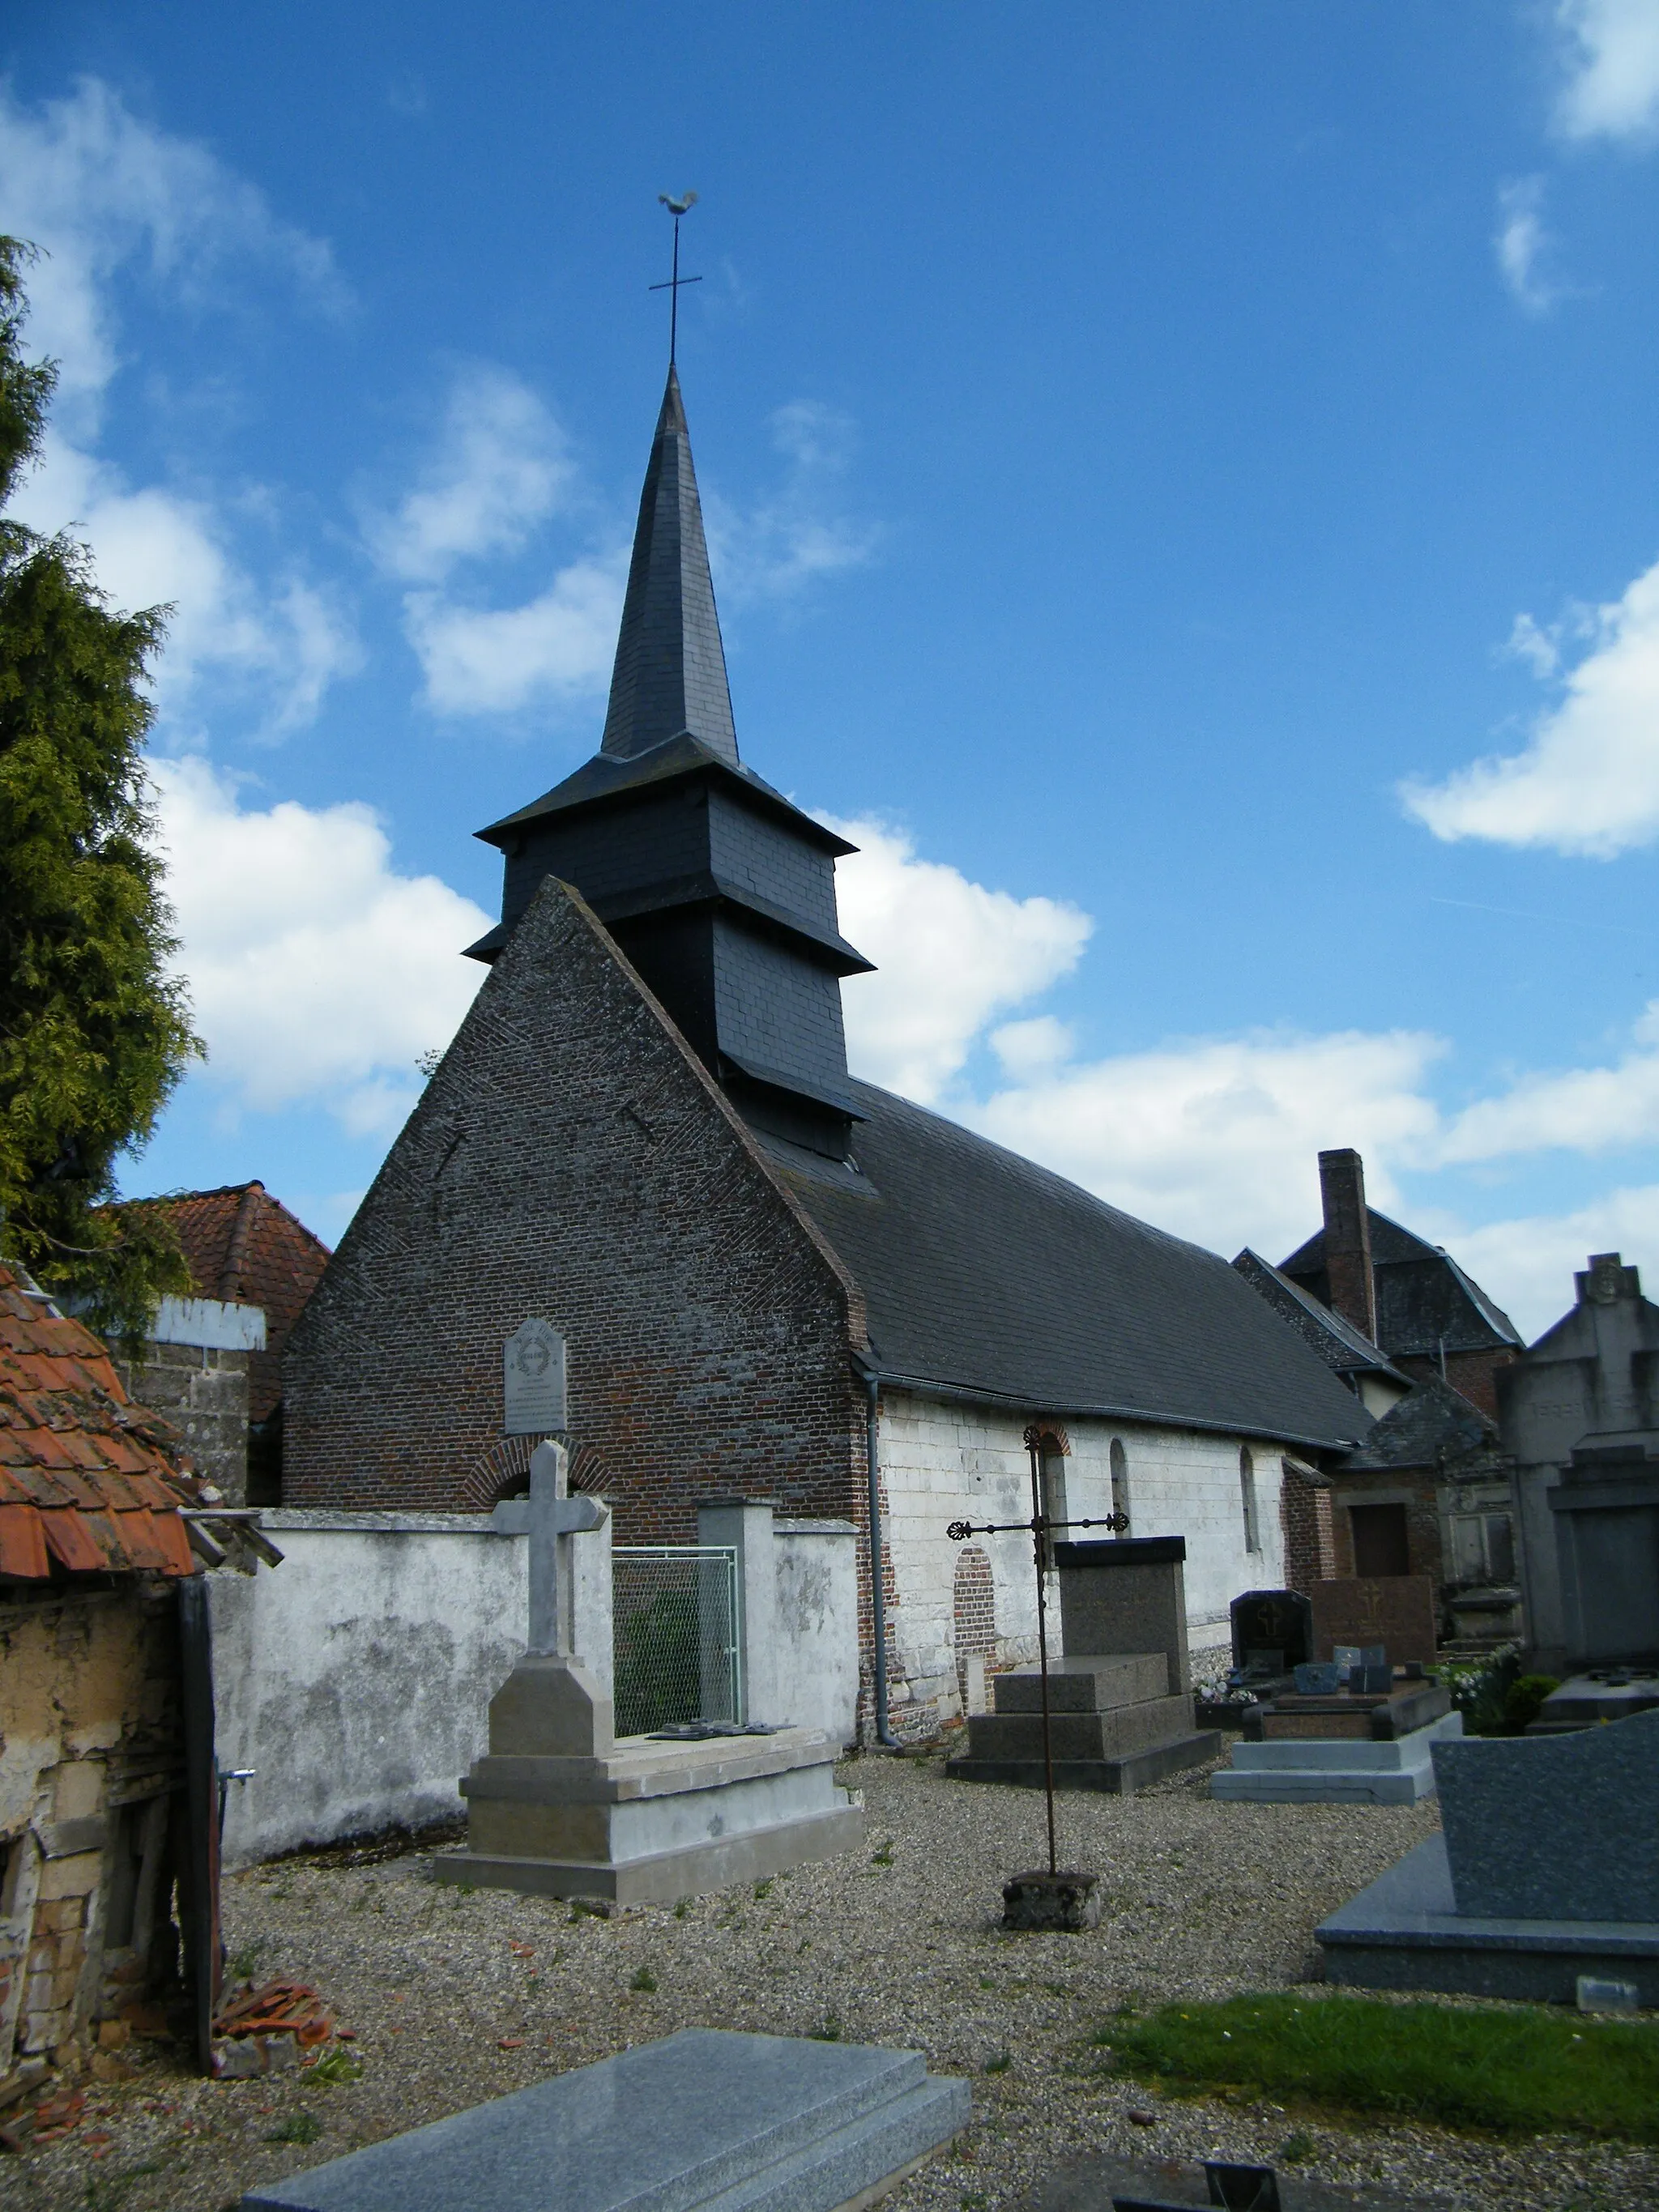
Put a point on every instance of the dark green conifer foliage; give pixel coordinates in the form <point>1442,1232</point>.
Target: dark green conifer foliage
<point>94,1033</point>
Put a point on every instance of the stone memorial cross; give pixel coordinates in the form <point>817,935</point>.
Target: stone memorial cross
<point>554,1518</point>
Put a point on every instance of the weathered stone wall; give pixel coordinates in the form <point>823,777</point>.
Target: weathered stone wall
<point>90,1752</point>
<point>571,1158</point>
<point>204,1391</point>
<point>942,1462</point>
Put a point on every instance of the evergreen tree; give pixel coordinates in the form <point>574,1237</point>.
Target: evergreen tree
<point>94,1033</point>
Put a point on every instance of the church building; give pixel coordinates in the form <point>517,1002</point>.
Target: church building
<point>773,1280</point>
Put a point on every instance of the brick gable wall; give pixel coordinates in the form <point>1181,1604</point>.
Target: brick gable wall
<point>572,1158</point>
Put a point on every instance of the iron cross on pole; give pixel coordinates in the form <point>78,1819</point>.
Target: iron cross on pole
<point>1042,1528</point>
<point>677,208</point>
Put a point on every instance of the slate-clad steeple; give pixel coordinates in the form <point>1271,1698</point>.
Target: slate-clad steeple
<point>720,891</point>
<point>670,673</point>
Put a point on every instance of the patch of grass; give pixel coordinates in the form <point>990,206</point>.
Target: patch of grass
<point>1297,2146</point>
<point>682,1908</point>
<point>763,1889</point>
<point>884,1856</point>
<point>242,1965</point>
<point>985,1982</point>
<point>829,2032</point>
<point>1518,2071</point>
<point>335,2067</point>
<point>644,1980</point>
<point>297,2128</point>
<point>1000,2063</point>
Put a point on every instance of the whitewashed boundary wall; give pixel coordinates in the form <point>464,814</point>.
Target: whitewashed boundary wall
<point>356,1678</point>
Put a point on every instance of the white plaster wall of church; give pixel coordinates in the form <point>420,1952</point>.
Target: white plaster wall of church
<point>943,1462</point>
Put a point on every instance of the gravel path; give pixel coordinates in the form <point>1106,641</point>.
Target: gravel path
<point>458,1997</point>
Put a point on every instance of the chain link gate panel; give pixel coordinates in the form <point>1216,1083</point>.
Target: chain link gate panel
<point>676,1635</point>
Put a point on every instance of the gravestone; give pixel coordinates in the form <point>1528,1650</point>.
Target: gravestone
<point>1279,1620</point>
<point>1120,1702</point>
<point>1547,1871</point>
<point>701,2119</point>
<point>1397,1611</point>
<point>532,1380</point>
<point>559,1808</point>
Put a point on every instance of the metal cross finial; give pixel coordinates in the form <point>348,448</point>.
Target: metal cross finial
<point>677,208</point>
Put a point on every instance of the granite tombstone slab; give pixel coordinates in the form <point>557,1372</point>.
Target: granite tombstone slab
<point>1397,1611</point>
<point>704,2121</point>
<point>1555,1828</point>
<point>1279,1620</point>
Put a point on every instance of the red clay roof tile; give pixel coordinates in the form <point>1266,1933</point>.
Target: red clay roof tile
<point>87,1479</point>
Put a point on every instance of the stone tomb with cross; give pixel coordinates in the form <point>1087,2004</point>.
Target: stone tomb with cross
<point>561,1807</point>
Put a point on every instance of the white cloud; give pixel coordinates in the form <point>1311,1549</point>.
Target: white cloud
<point>1522,244</point>
<point>1612,55</point>
<point>155,546</point>
<point>794,533</point>
<point>1217,1139</point>
<point>1528,1263</point>
<point>317,973</point>
<point>1588,781</point>
<point>95,187</point>
<point>500,468</point>
<point>950,955</point>
<point>486,660</point>
<point>91,184</point>
<point>1582,1109</point>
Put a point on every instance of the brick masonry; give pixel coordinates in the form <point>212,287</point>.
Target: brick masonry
<point>572,1158</point>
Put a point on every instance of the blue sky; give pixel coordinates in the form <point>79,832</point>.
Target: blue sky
<point>1154,456</point>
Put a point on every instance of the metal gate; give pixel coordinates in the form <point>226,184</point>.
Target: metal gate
<point>676,1635</point>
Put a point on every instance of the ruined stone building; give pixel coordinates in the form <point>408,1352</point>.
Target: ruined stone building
<point>773,1279</point>
<point>92,1546</point>
<point>214,1363</point>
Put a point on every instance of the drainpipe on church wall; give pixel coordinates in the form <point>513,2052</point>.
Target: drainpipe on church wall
<point>878,1598</point>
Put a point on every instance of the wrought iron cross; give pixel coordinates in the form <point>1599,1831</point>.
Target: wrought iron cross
<point>677,208</point>
<point>1042,1528</point>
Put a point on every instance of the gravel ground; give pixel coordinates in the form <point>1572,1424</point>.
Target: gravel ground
<point>457,1998</point>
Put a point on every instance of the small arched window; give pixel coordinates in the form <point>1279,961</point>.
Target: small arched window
<point>1247,1496</point>
<point>1121,1483</point>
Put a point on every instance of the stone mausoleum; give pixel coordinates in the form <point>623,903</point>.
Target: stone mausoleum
<point>773,1280</point>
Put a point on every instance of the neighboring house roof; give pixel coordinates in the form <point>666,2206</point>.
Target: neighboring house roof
<point>1344,1349</point>
<point>986,1274</point>
<point>1424,1298</point>
<point>87,1479</point>
<point>1433,1426</point>
<point>245,1246</point>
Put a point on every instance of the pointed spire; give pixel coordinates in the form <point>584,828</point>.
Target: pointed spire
<point>670,675</point>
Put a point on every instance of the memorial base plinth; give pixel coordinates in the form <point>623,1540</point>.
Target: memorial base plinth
<point>1335,1770</point>
<point>1113,1726</point>
<point>649,1822</point>
<point>1051,1904</point>
<point>1404,1932</point>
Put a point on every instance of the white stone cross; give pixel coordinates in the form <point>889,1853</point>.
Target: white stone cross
<point>554,1518</point>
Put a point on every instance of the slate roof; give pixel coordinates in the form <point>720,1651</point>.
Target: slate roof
<point>1345,1349</point>
<point>1423,1296</point>
<point>1431,1427</point>
<point>988,1275</point>
<point>245,1246</point>
<point>670,670</point>
<point>88,1481</point>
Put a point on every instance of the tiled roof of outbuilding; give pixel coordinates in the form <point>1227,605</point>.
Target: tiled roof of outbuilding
<point>986,1274</point>
<point>87,1479</point>
<point>244,1246</point>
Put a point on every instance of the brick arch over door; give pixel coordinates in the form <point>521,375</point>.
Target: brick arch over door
<point>975,1606</point>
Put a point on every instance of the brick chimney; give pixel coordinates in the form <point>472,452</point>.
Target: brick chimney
<point>1348,1240</point>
